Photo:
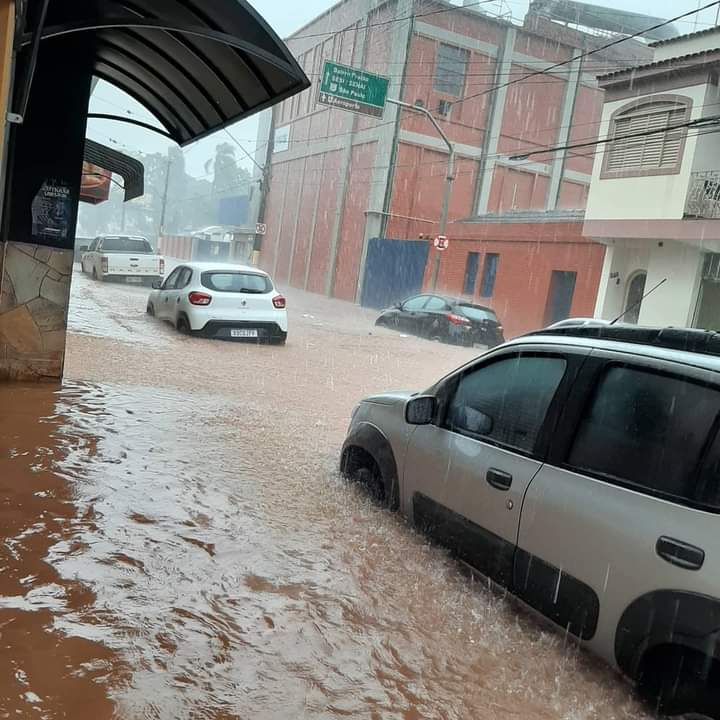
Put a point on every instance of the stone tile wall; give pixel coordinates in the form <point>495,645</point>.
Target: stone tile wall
<point>34,297</point>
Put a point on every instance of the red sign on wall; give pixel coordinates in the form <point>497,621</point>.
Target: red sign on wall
<point>441,242</point>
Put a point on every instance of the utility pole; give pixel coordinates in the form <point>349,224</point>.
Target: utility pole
<point>449,177</point>
<point>263,183</point>
<point>163,207</point>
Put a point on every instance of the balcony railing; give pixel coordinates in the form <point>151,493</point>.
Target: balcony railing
<point>703,199</point>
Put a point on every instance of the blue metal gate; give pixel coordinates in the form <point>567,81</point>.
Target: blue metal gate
<point>394,269</point>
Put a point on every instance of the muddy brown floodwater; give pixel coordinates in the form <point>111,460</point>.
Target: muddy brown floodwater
<point>176,543</point>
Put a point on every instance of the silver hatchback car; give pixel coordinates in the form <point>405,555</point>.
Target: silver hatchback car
<point>579,468</point>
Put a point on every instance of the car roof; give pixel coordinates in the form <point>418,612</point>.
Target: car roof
<point>451,300</point>
<point>218,267</point>
<point>689,346</point>
<point>470,303</point>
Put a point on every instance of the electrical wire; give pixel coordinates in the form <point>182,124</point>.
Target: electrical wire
<point>712,119</point>
<point>391,21</point>
<point>368,26</point>
<point>544,71</point>
<point>442,160</point>
<point>327,174</point>
<point>517,164</point>
<point>587,53</point>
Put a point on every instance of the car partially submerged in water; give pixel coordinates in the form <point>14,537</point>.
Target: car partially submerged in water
<point>123,258</point>
<point>578,467</point>
<point>226,302</point>
<point>445,319</point>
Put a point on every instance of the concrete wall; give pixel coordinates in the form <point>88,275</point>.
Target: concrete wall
<point>707,147</point>
<point>687,46</point>
<point>660,197</point>
<point>622,260</point>
<point>175,246</point>
<point>673,303</point>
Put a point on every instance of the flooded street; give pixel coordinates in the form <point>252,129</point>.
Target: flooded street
<point>177,543</point>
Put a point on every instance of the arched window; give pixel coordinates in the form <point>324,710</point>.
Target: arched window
<point>640,147</point>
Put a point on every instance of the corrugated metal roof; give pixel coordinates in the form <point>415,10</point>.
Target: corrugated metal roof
<point>624,22</point>
<point>705,54</point>
<point>197,65</point>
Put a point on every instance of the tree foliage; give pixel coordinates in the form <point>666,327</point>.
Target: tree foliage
<point>192,203</point>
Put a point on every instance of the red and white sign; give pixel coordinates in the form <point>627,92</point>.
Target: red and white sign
<point>441,242</point>
<point>260,228</point>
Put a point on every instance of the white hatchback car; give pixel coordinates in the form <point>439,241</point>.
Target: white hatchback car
<point>228,302</point>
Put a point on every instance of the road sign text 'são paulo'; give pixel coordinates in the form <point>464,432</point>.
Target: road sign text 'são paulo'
<point>351,89</point>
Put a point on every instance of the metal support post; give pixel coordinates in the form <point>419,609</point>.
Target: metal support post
<point>450,176</point>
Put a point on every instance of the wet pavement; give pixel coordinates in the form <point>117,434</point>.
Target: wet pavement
<point>176,542</point>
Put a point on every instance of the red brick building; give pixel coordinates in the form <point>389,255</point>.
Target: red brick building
<point>339,180</point>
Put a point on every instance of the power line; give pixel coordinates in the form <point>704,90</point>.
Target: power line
<point>324,172</point>
<point>541,149</point>
<point>368,26</point>
<point>526,168</point>
<point>528,60</point>
<point>587,53</point>
<point>247,154</point>
<point>352,28</point>
<point>669,128</point>
<point>597,122</point>
<point>538,151</point>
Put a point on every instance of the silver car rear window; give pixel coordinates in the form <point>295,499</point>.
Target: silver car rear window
<point>477,313</point>
<point>238,282</point>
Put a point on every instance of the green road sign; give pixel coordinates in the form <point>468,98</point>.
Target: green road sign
<point>351,89</point>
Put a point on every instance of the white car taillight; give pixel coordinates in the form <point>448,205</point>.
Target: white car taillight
<point>279,302</point>
<point>104,265</point>
<point>162,266</point>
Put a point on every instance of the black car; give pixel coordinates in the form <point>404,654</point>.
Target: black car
<point>446,319</point>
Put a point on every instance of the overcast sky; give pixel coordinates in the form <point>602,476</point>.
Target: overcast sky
<point>286,16</point>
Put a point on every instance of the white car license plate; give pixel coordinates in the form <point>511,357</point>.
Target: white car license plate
<point>243,332</point>
<point>133,280</point>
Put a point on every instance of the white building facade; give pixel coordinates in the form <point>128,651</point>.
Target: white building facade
<point>654,199</point>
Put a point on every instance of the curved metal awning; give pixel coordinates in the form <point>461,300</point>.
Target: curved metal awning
<point>196,65</point>
<point>128,168</point>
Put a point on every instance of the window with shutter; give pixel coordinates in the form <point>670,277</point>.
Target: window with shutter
<point>642,145</point>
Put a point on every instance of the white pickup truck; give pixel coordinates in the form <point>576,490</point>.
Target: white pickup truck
<point>129,259</point>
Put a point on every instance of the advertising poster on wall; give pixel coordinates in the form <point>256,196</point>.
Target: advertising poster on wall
<point>51,212</point>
